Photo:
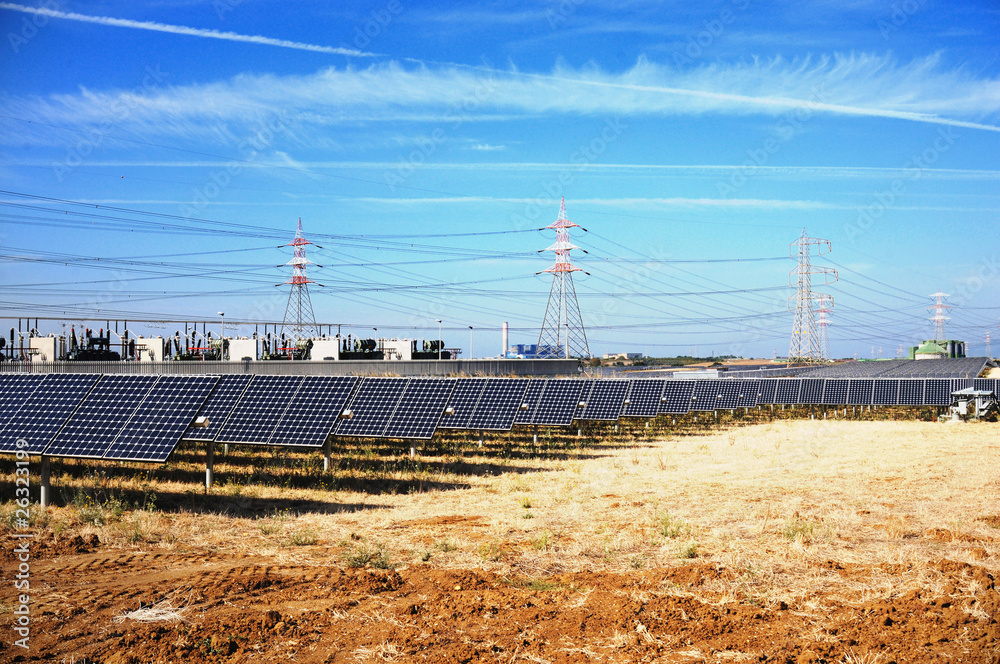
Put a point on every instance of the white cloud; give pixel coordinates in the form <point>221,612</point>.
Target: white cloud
<point>447,96</point>
<point>486,147</point>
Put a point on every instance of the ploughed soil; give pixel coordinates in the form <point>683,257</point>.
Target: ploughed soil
<point>274,609</point>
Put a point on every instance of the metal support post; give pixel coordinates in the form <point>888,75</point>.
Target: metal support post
<point>45,489</point>
<point>210,466</point>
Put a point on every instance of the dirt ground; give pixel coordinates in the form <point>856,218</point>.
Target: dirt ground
<point>793,542</point>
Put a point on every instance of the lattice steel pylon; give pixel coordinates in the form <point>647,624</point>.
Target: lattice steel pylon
<point>825,307</point>
<point>562,333</point>
<point>939,318</point>
<point>805,344</point>
<point>299,317</point>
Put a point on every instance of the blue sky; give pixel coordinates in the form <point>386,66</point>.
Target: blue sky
<point>155,155</point>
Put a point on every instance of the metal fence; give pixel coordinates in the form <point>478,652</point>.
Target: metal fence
<point>484,367</point>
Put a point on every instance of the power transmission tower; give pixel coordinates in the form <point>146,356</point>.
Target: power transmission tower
<point>805,343</point>
<point>825,306</point>
<point>939,318</point>
<point>562,333</point>
<point>299,317</point>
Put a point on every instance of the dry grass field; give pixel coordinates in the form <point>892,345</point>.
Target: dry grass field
<point>786,540</point>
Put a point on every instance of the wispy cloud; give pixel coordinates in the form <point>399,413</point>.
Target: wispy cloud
<point>182,30</point>
<point>486,147</point>
<point>861,86</point>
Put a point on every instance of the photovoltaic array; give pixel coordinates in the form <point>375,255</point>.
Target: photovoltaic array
<point>259,411</point>
<point>532,397</point>
<point>313,411</point>
<point>676,397</point>
<point>812,391</point>
<point>766,391</point>
<point>835,392</point>
<point>154,429</point>
<point>14,391</point>
<point>463,402</point>
<point>219,405</point>
<point>885,392</point>
<point>644,398</point>
<point>420,409</point>
<point>859,392</point>
<point>749,391</point>
<point>104,412</point>
<point>45,410</point>
<point>499,404</point>
<point>559,403</point>
<point>787,392</point>
<point>372,407</point>
<point>911,392</point>
<point>142,417</point>
<point>603,400</point>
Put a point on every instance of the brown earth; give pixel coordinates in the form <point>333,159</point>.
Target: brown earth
<point>251,609</point>
<point>803,542</point>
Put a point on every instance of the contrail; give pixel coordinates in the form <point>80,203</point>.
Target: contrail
<point>183,30</point>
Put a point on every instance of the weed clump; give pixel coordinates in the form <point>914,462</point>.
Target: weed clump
<point>364,554</point>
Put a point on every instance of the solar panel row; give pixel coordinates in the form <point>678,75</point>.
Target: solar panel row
<point>142,417</point>
<point>92,416</point>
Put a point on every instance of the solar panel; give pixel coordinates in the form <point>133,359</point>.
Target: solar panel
<point>499,404</point>
<point>559,404</point>
<point>729,393</point>
<point>835,391</point>
<point>962,383</point>
<point>911,392</point>
<point>812,391</point>
<point>676,398</point>
<point>372,407</point>
<point>259,411</point>
<point>463,401</point>
<point>766,391</point>
<point>420,408</point>
<point>157,425</point>
<point>886,392</point>
<point>14,391</point>
<point>859,391</point>
<point>101,416</point>
<point>48,407</point>
<point>937,392</point>
<point>705,395</point>
<point>787,391</point>
<point>219,405</point>
<point>643,398</point>
<point>604,400</point>
<point>531,398</point>
<point>987,384</point>
<point>749,390</point>
<point>313,411</point>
